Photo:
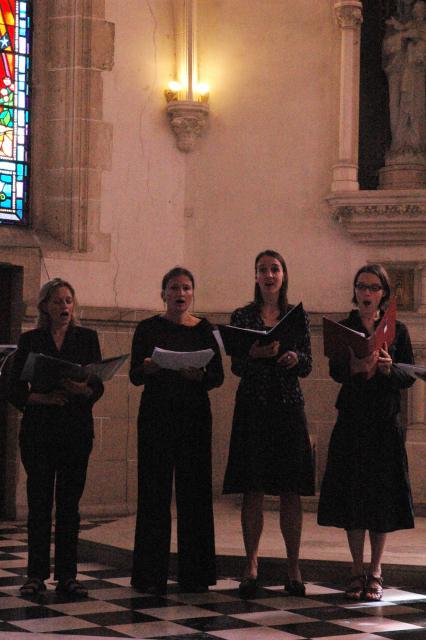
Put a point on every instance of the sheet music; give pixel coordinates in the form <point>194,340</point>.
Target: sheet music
<point>176,360</point>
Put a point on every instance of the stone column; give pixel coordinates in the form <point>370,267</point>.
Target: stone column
<point>73,46</point>
<point>349,18</point>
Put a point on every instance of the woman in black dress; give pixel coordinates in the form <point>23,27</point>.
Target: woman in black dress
<point>270,450</point>
<point>366,484</point>
<point>174,437</point>
<point>56,437</point>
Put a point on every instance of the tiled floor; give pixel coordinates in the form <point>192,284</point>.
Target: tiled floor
<point>113,609</point>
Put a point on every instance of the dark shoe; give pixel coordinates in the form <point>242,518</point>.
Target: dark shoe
<point>72,587</point>
<point>32,587</point>
<point>355,588</point>
<point>190,587</point>
<point>373,591</point>
<point>151,589</point>
<point>248,587</point>
<point>294,588</point>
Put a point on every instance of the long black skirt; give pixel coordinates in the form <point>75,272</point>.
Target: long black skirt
<point>366,484</point>
<point>270,451</point>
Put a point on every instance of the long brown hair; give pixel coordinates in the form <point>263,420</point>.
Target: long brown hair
<point>282,296</point>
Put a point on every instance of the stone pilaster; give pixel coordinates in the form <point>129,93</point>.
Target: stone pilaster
<point>349,18</point>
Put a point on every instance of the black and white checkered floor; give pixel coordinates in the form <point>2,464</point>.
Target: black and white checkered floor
<point>114,610</point>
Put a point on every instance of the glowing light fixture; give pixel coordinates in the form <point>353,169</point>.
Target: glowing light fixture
<point>187,99</point>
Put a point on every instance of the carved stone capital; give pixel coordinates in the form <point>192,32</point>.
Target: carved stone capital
<point>382,218</point>
<point>348,14</point>
<point>187,119</point>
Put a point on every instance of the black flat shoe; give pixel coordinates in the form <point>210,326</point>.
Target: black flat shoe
<point>295,588</point>
<point>248,587</point>
<point>191,587</point>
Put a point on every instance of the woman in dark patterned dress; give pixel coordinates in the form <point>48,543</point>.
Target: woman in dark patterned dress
<point>366,485</point>
<point>270,450</point>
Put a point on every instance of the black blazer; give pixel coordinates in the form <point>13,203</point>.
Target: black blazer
<point>81,345</point>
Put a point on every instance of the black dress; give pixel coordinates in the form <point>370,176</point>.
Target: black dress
<point>174,437</point>
<point>270,450</point>
<point>366,484</point>
<point>55,446</point>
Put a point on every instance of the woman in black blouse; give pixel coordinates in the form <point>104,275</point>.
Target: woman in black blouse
<point>270,449</point>
<point>174,437</point>
<point>56,437</point>
<point>366,484</point>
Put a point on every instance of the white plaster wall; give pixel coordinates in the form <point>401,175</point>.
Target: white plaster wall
<point>256,179</point>
<point>143,194</point>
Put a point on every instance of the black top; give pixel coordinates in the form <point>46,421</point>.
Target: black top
<point>262,378</point>
<point>381,392</point>
<point>158,331</point>
<point>80,345</point>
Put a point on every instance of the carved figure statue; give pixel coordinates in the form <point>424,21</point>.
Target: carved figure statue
<point>404,62</point>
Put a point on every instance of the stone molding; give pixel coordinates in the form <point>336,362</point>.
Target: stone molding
<point>71,144</point>
<point>382,218</point>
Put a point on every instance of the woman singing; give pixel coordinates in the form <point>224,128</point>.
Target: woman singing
<point>366,485</point>
<point>55,438</point>
<point>270,449</point>
<point>174,438</point>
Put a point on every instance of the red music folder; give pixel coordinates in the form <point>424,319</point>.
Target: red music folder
<point>338,338</point>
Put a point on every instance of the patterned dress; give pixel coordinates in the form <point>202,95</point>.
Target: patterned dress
<point>270,450</point>
<point>366,484</point>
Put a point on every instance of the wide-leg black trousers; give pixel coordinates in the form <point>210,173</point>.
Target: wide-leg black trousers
<point>174,443</point>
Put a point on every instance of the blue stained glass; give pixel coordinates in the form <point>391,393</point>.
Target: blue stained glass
<point>14,114</point>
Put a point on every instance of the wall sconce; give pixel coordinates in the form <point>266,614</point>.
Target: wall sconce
<point>187,99</point>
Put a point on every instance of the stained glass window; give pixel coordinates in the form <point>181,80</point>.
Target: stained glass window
<point>14,113</point>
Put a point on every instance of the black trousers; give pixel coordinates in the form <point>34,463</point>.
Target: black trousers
<point>56,466</point>
<point>181,445</point>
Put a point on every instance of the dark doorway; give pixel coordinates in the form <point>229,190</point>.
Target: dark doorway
<point>11,279</point>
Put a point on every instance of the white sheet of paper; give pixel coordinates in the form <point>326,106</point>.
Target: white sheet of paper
<point>182,359</point>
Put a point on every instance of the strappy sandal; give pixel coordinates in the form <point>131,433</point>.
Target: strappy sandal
<point>355,588</point>
<point>32,587</point>
<point>72,587</point>
<point>373,588</point>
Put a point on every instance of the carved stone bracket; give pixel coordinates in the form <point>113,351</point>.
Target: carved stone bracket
<point>379,217</point>
<point>187,119</point>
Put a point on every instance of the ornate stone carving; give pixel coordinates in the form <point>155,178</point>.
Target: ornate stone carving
<point>187,119</point>
<point>382,218</point>
<point>348,14</point>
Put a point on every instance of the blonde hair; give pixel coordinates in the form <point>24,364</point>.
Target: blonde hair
<point>45,294</point>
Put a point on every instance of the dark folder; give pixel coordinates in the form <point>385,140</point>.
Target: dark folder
<point>338,338</point>
<point>45,372</point>
<point>237,341</point>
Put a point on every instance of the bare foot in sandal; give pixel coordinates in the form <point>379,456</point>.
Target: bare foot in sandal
<point>355,588</point>
<point>72,587</point>
<point>32,587</point>
<point>373,588</point>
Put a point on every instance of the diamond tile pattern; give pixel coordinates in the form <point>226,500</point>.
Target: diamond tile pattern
<point>115,610</point>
